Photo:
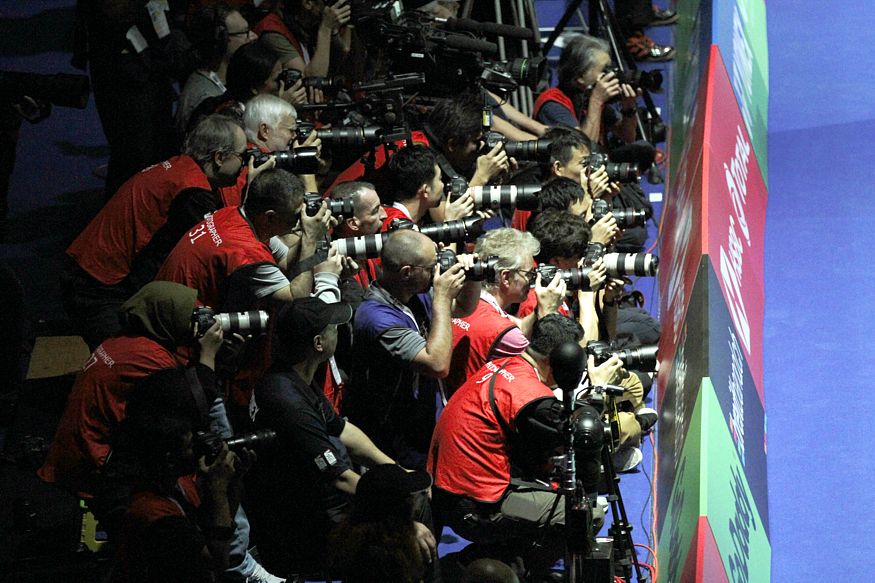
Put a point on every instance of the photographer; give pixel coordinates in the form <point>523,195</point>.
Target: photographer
<point>367,219</point>
<point>490,332</point>
<point>418,188</point>
<point>269,123</point>
<point>403,345</point>
<point>237,262</point>
<point>503,424</point>
<point>176,529</point>
<point>122,248</point>
<point>216,32</point>
<point>300,490</point>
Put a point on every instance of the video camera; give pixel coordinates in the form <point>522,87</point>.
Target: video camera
<point>209,444</point>
<point>252,322</point>
<point>625,172</point>
<point>625,218</point>
<point>303,160</point>
<point>482,270</point>
<point>369,246</point>
<point>523,197</point>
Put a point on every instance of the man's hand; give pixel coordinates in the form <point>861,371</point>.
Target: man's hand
<point>336,16</point>
<point>312,140</point>
<point>218,474</point>
<point>492,164</point>
<point>447,285</point>
<point>334,263</point>
<point>296,94</point>
<point>604,230</point>
<point>628,96</point>
<point>596,182</point>
<point>597,274</point>
<point>613,290</point>
<point>607,373</point>
<point>551,296</point>
<point>459,208</point>
<point>606,88</point>
<point>425,541</point>
<point>254,170</point>
<point>317,226</point>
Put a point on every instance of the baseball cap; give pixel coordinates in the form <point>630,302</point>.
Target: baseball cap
<point>387,486</point>
<point>305,318</point>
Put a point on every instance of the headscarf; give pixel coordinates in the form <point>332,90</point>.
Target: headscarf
<point>162,311</point>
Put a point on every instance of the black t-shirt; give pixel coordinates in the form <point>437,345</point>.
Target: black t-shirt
<point>291,498</point>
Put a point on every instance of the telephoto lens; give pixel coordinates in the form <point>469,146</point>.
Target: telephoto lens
<point>362,247</point>
<point>303,160</point>
<point>536,150</point>
<point>253,322</point>
<point>338,207</point>
<point>642,358</point>
<point>455,231</point>
<point>523,197</point>
<point>575,279</point>
<point>351,136</point>
<point>637,264</point>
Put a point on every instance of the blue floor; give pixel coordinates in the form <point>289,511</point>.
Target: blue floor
<point>820,297</point>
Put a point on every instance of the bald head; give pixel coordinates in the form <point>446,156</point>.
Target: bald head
<point>407,247</point>
<point>489,571</point>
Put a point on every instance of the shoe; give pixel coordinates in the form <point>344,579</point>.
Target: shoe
<point>644,49</point>
<point>627,459</point>
<point>647,418</point>
<point>260,575</point>
<point>663,17</point>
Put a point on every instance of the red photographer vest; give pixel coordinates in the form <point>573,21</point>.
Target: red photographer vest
<point>556,95</point>
<point>474,338</point>
<point>207,256</point>
<point>469,450</point>
<point>96,406</point>
<point>108,245</point>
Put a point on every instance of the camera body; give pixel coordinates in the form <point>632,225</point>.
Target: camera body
<point>252,322</point>
<point>642,358</point>
<point>626,218</point>
<point>337,207</point>
<point>482,270</point>
<point>576,278</point>
<point>617,171</point>
<point>638,79</point>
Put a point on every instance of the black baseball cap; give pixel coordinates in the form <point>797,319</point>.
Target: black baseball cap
<point>388,485</point>
<point>304,318</point>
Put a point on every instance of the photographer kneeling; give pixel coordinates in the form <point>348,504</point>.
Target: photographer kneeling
<point>504,424</point>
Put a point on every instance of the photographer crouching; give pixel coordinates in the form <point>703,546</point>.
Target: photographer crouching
<point>492,449</point>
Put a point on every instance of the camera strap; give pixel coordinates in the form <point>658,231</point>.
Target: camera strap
<point>504,425</point>
<point>304,265</point>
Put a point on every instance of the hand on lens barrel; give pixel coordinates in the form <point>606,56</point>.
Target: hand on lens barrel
<point>607,373</point>
<point>597,274</point>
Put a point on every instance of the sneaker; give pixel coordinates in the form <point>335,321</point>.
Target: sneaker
<point>663,17</point>
<point>644,49</point>
<point>260,575</point>
<point>647,418</point>
<point>627,459</point>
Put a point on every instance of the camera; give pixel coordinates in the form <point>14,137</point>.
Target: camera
<point>617,171</point>
<point>369,246</point>
<point>576,278</point>
<point>343,136</point>
<point>302,160</point>
<point>252,322</point>
<point>621,264</point>
<point>483,269</point>
<point>625,218</point>
<point>638,79</point>
<point>328,85</point>
<point>209,444</point>
<point>337,207</point>
<point>642,358</point>
<point>61,89</point>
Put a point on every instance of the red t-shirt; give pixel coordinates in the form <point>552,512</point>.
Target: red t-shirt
<point>469,449</point>
<point>96,406</point>
<point>108,245</point>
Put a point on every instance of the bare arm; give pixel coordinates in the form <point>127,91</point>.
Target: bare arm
<point>434,358</point>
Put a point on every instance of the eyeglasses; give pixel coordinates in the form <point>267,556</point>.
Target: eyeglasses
<point>531,275</point>
<point>239,155</point>
<point>425,267</point>
<point>241,33</point>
